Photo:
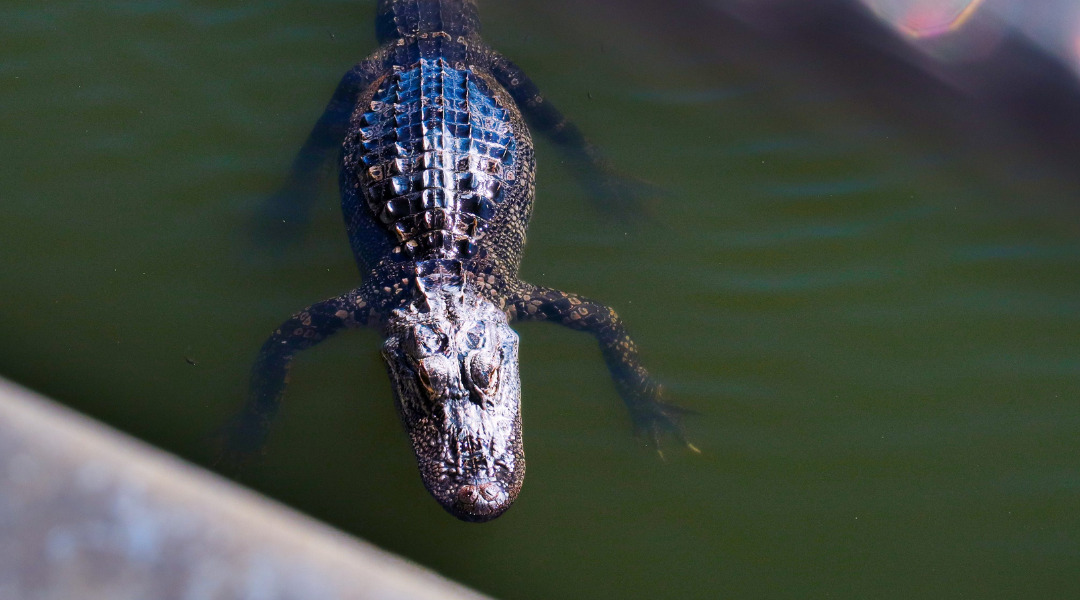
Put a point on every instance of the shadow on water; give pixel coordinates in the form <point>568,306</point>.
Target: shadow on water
<point>863,273</point>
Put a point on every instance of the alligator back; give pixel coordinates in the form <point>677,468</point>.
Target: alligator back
<point>438,162</point>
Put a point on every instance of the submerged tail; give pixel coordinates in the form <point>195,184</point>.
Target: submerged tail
<point>406,18</point>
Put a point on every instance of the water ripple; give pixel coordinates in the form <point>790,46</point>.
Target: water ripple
<point>980,253</point>
<point>799,282</point>
<point>689,97</point>
<point>840,187</point>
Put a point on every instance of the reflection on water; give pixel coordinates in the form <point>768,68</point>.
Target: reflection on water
<point>865,281</point>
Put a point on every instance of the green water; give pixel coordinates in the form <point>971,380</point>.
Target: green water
<point>879,327</point>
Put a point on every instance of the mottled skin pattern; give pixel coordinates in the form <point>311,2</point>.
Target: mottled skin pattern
<point>436,182</point>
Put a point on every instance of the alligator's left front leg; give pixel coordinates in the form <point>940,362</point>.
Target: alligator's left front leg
<point>643,394</point>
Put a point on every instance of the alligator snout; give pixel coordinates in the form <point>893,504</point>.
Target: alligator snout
<point>481,502</point>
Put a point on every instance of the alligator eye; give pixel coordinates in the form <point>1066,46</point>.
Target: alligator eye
<point>425,379</point>
<point>475,336</point>
<point>484,375</point>
<point>425,341</point>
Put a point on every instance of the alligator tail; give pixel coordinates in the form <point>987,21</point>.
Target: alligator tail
<point>407,18</point>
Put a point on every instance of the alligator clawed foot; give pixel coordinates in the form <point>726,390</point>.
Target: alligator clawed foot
<point>623,195</point>
<point>239,443</point>
<point>653,417</point>
<point>281,220</point>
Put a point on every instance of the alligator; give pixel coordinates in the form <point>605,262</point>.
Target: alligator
<point>437,183</point>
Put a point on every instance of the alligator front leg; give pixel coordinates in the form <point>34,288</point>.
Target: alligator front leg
<point>244,436</point>
<point>613,191</point>
<point>643,394</point>
<point>285,213</point>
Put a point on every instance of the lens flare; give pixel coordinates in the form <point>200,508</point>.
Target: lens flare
<point>924,18</point>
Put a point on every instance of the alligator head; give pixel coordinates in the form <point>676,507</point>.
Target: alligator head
<point>453,361</point>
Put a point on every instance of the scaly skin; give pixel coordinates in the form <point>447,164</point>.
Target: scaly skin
<point>436,181</point>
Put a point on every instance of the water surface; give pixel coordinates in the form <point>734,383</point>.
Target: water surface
<point>878,322</point>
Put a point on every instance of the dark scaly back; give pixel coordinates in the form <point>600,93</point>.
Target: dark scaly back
<point>438,156</point>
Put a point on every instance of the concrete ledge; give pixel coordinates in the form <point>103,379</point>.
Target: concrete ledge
<point>88,513</point>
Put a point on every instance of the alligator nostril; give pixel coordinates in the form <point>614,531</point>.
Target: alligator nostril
<point>490,491</point>
<point>482,501</point>
<point>468,495</point>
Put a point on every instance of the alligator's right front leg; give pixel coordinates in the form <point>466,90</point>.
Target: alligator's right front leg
<point>643,395</point>
<point>613,192</point>
<point>245,434</point>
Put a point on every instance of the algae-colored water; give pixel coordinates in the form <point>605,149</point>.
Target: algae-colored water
<point>879,328</point>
